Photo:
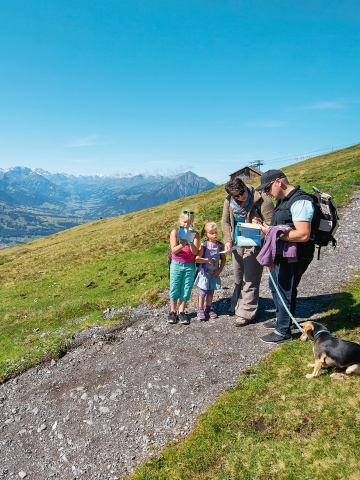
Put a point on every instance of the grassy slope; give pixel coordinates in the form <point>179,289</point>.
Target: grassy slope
<point>46,284</point>
<point>276,424</point>
<point>338,173</point>
<point>46,297</point>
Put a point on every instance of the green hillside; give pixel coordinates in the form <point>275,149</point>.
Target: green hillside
<point>337,173</point>
<point>50,283</point>
<point>273,425</point>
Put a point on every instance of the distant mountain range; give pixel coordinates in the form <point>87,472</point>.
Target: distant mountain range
<point>35,203</point>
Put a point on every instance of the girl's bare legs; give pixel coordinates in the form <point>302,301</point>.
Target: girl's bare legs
<point>182,306</point>
<point>209,301</point>
<point>173,304</point>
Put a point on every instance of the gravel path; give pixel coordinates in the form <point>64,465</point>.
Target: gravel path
<point>120,395</point>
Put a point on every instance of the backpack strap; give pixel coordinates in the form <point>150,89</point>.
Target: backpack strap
<point>203,246</point>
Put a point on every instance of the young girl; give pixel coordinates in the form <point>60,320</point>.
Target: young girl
<point>208,278</point>
<point>185,244</point>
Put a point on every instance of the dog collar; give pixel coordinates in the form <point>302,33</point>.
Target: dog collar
<point>321,331</point>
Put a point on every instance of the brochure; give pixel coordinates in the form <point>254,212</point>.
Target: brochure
<point>230,249</point>
<point>187,234</point>
<point>249,235</point>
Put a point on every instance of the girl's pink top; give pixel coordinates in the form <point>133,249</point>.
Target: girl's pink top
<point>184,256</point>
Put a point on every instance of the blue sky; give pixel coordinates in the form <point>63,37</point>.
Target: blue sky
<point>164,86</point>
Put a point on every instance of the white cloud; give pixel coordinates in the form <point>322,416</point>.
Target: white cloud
<point>86,141</point>
<point>83,142</point>
<point>332,104</point>
<point>326,105</point>
<point>185,167</point>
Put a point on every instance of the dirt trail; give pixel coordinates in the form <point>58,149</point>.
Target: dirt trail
<point>120,395</point>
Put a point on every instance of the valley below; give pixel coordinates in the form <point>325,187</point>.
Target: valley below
<point>35,203</point>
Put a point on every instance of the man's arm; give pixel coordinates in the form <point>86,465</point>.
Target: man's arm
<point>301,233</point>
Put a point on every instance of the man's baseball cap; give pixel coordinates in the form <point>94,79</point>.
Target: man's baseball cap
<point>268,177</point>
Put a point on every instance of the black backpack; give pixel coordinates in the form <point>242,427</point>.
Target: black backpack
<point>325,221</point>
<point>169,259</point>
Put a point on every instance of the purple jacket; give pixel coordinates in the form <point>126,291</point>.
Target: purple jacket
<point>274,245</point>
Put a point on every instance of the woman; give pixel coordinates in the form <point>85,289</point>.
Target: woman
<point>244,204</point>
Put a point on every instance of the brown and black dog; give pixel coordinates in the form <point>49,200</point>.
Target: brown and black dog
<point>330,351</point>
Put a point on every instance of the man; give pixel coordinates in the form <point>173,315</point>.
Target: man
<point>294,208</point>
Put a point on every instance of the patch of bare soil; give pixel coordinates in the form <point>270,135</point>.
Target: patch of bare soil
<point>118,396</point>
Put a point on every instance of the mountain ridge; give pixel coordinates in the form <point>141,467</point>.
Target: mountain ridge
<point>36,202</point>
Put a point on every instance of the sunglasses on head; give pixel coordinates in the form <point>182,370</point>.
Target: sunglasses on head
<point>188,212</point>
<point>268,186</point>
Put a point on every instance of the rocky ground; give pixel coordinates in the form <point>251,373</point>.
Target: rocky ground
<point>120,395</point>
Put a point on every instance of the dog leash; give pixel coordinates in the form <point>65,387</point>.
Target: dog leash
<point>282,301</point>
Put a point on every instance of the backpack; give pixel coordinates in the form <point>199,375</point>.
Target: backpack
<point>325,221</point>
<point>169,258</point>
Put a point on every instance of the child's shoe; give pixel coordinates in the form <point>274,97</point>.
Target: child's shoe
<point>172,318</point>
<point>184,319</point>
<point>201,315</point>
<point>209,312</point>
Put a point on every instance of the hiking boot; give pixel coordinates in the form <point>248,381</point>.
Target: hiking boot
<point>275,338</point>
<point>241,322</point>
<point>172,318</point>
<point>183,318</point>
<point>209,312</point>
<point>201,315</point>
